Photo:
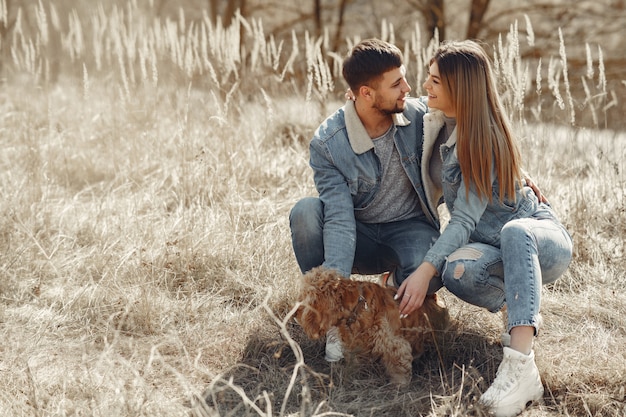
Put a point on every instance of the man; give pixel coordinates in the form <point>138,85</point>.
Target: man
<point>372,214</point>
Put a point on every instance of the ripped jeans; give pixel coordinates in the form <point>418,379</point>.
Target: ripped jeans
<point>533,251</point>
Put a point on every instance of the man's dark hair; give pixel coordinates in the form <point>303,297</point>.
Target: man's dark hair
<point>369,60</point>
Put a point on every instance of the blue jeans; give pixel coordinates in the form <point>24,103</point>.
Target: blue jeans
<point>533,251</point>
<point>380,247</point>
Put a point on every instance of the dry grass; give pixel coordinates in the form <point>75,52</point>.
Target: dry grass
<point>145,255</point>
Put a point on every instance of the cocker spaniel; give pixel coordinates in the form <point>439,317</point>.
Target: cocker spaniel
<point>368,319</point>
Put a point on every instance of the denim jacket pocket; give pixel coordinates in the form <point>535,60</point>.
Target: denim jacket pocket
<point>451,181</point>
<point>363,191</point>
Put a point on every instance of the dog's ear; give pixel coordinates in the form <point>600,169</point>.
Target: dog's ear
<point>322,306</point>
<point>348,295</point>
<point>310,317</point>
<point>307,314</point>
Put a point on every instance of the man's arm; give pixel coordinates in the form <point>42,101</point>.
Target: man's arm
<point>339,222</point>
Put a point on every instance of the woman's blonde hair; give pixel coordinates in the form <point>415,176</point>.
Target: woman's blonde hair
<point>484,136</point>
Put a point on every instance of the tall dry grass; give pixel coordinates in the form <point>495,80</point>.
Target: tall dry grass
<point>145,257</point>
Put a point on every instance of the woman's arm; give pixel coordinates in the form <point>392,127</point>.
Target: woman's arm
<point>467,210</point>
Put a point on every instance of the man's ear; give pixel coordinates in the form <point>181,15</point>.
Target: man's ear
<point>366,92</point>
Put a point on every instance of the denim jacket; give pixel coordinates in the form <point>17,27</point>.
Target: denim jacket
<point>347,173</point>
<point>472,219</point>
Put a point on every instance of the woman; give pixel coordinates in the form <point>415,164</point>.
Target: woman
<point>501,243</point>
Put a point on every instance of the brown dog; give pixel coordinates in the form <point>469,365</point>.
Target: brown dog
<point>368,319</point>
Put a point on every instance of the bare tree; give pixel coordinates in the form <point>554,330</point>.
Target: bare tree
<point>317,16</point>
<point>477,15</point>
<point>231,8</point>
<point>214,10</point>
<point>340,21</point>
<point>433,13</point>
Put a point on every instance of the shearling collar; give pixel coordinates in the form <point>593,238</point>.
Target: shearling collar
<point>360,141</point>
<point>433,122</point>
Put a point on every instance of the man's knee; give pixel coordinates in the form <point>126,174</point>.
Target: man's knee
<point>306,223</point>
<point>306,214</point>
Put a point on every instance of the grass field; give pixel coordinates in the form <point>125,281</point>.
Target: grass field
<point>145,257</point>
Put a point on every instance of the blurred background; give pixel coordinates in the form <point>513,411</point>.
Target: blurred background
<point>591,32</point>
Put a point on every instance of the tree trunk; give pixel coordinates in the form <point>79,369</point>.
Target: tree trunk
<point>338,33</point>
<point>434,14</point>
<point>213,10</point>
<point>231,8</point>
<point>477,14</point>
<point>432,11</point>
<point>317,16</point>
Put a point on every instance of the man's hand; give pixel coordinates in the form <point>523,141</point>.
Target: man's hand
<point>529,182</point>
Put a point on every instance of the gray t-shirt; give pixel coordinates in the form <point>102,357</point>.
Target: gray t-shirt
<point>396,199</point>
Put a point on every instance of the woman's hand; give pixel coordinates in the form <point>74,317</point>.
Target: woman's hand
<point>350,95</point>
<point>414,289</point>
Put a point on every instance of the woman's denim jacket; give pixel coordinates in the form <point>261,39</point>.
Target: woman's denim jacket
<point>472,219</point>
<point>347,173</point>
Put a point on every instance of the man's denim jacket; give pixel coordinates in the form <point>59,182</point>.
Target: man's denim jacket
<point>347,173</point>
<point>472,219</point>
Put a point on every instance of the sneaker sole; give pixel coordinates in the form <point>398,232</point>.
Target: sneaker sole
<point>511,411</point>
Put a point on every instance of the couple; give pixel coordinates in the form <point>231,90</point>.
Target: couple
<point>382,165</point>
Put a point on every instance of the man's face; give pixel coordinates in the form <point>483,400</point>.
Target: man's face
<point>391,91</point>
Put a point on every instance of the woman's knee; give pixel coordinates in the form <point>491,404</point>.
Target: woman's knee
<point>473,273</point>
<point>547,241</point>
<point>464,267</point>
<point>457,276</point>
<point>516,233</point>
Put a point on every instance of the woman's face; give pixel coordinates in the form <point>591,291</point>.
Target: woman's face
<point>438,98</point>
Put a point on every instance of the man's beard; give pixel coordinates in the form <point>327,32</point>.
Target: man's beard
<point>389,111</point>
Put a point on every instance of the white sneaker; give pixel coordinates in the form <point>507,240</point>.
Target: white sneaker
<point>334,348</point>
<point>388,279</point>
<point>517,383</point>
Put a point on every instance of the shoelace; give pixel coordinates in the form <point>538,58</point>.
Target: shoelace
<point>332,338</point>
<point>508,373</point>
